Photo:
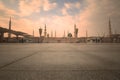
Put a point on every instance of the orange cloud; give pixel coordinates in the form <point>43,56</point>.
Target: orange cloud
<point>7,11</point>
<point>27,7</point>
<point>48,6</point>
<point>69,6</point>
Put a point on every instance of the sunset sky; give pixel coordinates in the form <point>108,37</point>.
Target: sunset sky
<point>61,15</point>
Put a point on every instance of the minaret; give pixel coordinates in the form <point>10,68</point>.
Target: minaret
<point>75,31</point>
<point>40,32</point>
<point>33,32</point>
<point>110,30</point>
<point>45,31</point>
<point>86,34</point>
<point>9,34</point>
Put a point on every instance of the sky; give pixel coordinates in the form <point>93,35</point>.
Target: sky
<point>61,15</point>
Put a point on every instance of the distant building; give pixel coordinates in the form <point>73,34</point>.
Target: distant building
<point>94,39</point>
<point>115,38</point>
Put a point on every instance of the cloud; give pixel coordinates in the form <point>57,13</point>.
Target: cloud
<point>27,7</point>
<point>12,1</point>
<point>7,11</point>
<point>64,11</point>
<point>72,5</point>
<point>69,6</point>
<point>77,5</point>
<point>48,6</point>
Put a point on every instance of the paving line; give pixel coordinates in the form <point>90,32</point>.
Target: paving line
<point>12,62</point>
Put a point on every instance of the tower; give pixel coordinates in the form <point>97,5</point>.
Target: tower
<point>45,31</point>
<point>9,34</point>
<point>86,34</point>
<point>40,31</point>
<point>33,32</point>
<point>110,30</point>
<point>75,31</point>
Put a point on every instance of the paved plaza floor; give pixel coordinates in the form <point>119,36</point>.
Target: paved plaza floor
<point>59,61</point>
